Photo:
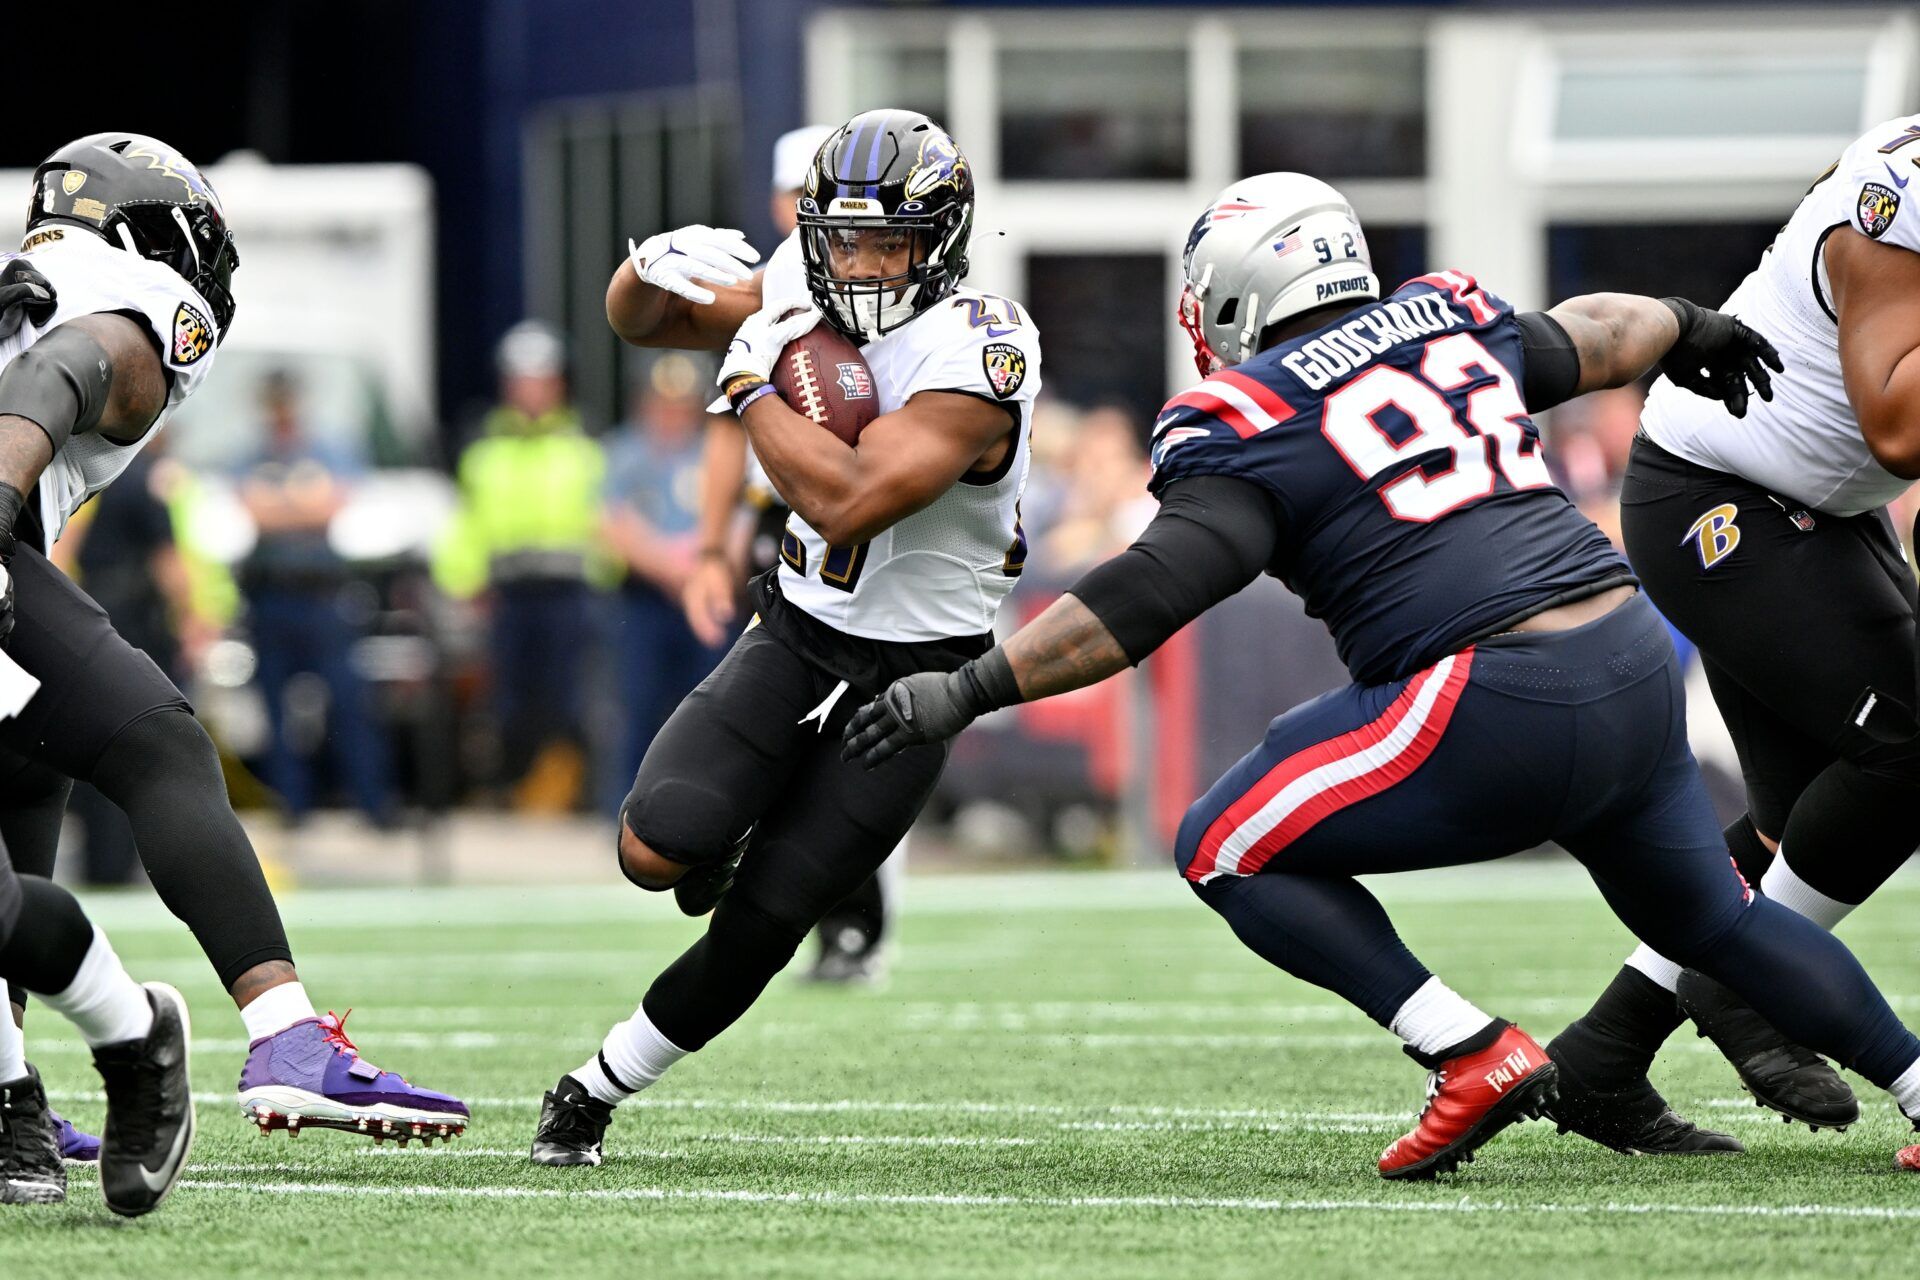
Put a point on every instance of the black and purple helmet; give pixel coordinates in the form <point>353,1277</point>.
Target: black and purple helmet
<point>885,171</point>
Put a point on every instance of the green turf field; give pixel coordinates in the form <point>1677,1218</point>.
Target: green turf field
<point>1067,1075</point>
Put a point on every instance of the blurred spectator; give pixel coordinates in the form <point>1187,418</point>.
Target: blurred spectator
<point>121,549</point>
<point>527,535</point>
<point>1587,451</point>
<point>302,613</point>
<point>650,520</point>
<point>1106,503</point>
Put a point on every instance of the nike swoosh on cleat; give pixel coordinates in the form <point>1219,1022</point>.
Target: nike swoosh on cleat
<point>1898,181</point>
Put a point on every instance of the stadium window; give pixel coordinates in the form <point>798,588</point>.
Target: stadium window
<point>1700,98</point>
<point>1075,299</point>
<point>1399,253</point>
<point>914,77</point>
<point>1085,113</point>
<point>1350,112</point>
<point>1699,260</point>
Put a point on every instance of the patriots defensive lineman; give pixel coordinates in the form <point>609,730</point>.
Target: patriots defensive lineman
<point>134,243</point>
<point>1768,544</point>
<point>895,561</point>
<point>1510,684</point>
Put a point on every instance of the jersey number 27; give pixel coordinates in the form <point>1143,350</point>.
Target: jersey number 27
<point>1493,430</point>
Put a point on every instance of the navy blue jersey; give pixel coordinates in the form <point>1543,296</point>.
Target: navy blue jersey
<point>1415,509</point>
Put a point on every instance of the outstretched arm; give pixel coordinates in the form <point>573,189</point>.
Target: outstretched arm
<point>1213,535</point>
<point>1618,337</point>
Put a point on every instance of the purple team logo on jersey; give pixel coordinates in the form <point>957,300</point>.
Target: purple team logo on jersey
<point>855,382</point>
<point>1878,205</point>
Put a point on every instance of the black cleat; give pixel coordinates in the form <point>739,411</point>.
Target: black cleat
<point>31,1171</point>
<point>1635,1121</point>
<point>701,888</point>
<point>572,1125</point>
<point>1789,1078</point>
<point>149,1129</point>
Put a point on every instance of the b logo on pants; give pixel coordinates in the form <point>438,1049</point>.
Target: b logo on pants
<point>1714,535</point>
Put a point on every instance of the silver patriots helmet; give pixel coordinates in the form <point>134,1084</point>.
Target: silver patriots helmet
<point>1268,247</point>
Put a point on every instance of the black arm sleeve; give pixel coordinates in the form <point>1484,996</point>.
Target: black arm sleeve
<point>1553,366</point>
<point>60,383</point>
<point>1212,536</point>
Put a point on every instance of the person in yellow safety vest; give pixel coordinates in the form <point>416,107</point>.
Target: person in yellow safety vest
<point>527,535</point>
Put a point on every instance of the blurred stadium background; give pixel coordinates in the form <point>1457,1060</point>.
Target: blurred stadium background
<point>320,556</point>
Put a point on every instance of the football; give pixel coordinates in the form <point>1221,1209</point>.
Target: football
<point>823,375</point>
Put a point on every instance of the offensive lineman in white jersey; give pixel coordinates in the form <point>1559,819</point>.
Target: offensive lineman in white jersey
<point>1766,541</point>
<point>895,561</point>
<point>134,243</point>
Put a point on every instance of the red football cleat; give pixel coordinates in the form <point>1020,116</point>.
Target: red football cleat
<point>1469,1099</point>
<point>1907,1158</point>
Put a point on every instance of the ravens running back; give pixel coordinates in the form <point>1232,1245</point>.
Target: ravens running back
<point>133,240</point>
<point>1767,542</point>
<point>895,560</point>
<point>1510,684</point>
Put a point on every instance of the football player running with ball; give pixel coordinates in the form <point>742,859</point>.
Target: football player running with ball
<point>1767,542</point>
<point>898,553</point>
<point>134,245</point>
<point>1511,686</point>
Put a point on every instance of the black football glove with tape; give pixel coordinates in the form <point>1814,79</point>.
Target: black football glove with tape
<point>25,295</point>
<point>928,707</point>
<point>1718,356</point>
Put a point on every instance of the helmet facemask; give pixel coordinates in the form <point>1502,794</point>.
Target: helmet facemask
<point>871,275</point>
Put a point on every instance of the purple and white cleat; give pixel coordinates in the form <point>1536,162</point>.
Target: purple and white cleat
<point>83,1148</point>
<point>310,1076</point>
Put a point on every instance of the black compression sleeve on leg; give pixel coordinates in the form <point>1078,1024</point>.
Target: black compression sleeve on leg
<point>1750,852</point>
<point>49,942</point>
<point>719,977</point>
<point>1213,535</point>
<point>163,771</point>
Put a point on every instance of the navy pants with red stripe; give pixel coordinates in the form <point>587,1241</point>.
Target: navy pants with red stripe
<point>1576,737</point>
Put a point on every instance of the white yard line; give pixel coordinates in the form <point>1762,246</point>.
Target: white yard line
<point>836,1199</point>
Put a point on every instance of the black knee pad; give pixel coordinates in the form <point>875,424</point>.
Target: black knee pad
<point>680,821</point>
<point>167,748</point>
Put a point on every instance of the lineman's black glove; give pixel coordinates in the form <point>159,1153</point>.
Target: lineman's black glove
<point>1717,355</point>
<point>927,707</point>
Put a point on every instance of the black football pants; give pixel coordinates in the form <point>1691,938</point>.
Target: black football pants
<point>735,756</point>
<point>1805,625</point>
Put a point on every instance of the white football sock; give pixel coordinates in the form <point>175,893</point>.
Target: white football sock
<point>1436,1017</point>
<point>1906,1091</point>
<point>13,1044</point>
<point>1789,890</point>
<point>276,1009</point>
<point>634,1055</point>
<point>1663,972</point>
<point>103,1003</point>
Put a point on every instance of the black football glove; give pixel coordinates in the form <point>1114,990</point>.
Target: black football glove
<point>929,706</point>
<point>1718,355</point>
<point>25,295</point>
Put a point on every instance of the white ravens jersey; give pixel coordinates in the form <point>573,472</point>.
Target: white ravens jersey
<point>942,571</point>
<point>1806,444</point>
<point>91,276</point>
